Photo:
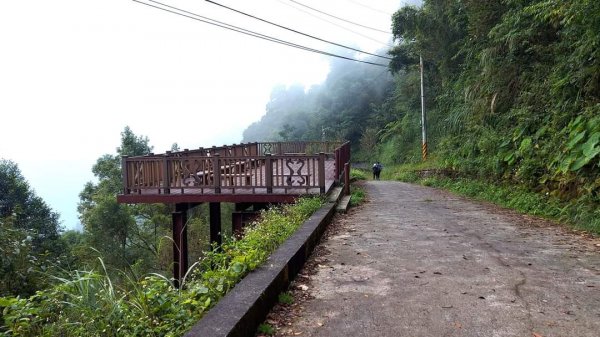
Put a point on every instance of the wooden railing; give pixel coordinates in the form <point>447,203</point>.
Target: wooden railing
<point>244,168</point>
<point>262,148</point>
<point>281,148</point>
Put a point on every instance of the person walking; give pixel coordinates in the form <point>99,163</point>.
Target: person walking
<point>377,170</point>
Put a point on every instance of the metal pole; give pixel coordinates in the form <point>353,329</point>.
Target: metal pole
<point>423,119</point>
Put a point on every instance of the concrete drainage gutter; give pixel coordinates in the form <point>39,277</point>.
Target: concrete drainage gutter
<point>246,306</point>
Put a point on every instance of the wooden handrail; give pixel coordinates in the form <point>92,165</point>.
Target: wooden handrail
<point>235,168</point>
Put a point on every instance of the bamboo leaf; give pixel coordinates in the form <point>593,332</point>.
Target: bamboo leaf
<point>579,163</point>
<point>589,148</point>
<point>576,140</point>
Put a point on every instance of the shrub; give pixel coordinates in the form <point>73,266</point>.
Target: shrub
<point>87,303</point>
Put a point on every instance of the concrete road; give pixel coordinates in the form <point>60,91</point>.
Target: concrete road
<point>416,261</point>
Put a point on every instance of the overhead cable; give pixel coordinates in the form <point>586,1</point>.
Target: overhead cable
<point>335,24</point>
<point>371,8</point>
<point>295,31</point>
<point>227,26</point>
<point>341,19</point>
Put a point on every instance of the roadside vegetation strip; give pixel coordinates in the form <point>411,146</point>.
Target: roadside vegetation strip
<point>89,304</point>
<point>581,213</point>
<point>358,174</point>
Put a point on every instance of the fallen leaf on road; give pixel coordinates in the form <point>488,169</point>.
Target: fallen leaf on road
<point>457,325</point>
<point>535,334</point>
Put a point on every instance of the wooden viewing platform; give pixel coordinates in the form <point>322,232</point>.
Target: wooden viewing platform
<point>250,175</point>
<point>254,172</point>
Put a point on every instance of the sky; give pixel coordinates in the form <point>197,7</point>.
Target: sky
<point>74,73</point>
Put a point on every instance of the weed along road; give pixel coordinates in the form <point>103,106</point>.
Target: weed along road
<point>416,261</point>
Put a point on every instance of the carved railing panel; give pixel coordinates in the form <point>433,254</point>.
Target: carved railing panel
<point>244,168</point>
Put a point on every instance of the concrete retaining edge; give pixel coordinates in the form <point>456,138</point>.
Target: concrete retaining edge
<point>246,306</point>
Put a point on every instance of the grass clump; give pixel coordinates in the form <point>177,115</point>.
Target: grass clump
<point>88,304</point>
<point>266,329</point>
<point>358,174</point>
<point>286,298</point>
<point>357,195</point>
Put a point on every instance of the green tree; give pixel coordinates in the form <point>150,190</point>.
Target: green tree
<point>513,88</point>
<point>29,232</point>
<point>124,235</point>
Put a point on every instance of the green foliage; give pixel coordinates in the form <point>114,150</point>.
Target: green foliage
<point>358,174</point>
<point>512,91</point>
<point>574,170</point>
<point>266,328</point>
<point>286,298</point>
<point>357,195</point>
<point>90,303</point>
<point>29,235</point>
<point>123,235</point>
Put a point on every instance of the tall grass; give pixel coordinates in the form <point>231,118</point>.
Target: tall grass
<point>87,303</point>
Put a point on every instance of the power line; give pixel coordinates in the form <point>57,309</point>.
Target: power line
<point>335,24</point>
<point>295,31</point>
<point>371,8</point>
<point>247,32</point>
<point>341,19</point>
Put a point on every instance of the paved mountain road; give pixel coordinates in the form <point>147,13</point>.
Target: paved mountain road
<point>416,261</point>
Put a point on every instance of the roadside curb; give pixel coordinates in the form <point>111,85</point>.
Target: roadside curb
<point>240,312</point>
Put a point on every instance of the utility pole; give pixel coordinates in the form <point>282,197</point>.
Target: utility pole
<point>423,119</point>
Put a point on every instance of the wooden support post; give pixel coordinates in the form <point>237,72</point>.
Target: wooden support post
<point>215,222</point>
<point>166,174</point>
<point>269,173</point>
<point>217,173</point>
<point>241,219</point>
<point>180,247</point>
<point>337,166</point>
<point>347,179</point>
<point>322,172</point>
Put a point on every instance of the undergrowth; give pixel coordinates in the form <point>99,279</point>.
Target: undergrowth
<point>357,195</point>
<point>88,304</point>
<point>358,174</point>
